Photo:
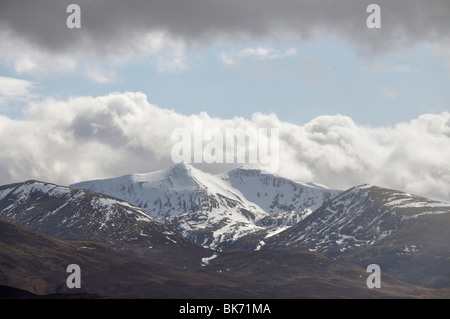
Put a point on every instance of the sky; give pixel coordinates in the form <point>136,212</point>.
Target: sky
<point>352,104</point>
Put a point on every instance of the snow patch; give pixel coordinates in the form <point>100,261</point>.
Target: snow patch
<point>206,260</point>
<point>260,244</point>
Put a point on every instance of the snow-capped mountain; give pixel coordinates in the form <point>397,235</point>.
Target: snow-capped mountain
<point>369,224</point>
<point>277,194</point>
<point>360,216</point>
<point>406,235</point>
<point>287,201</point>
<point>172,191</point>
<point>215,210</point>
<point>73,214</point>
<point>200,206</point>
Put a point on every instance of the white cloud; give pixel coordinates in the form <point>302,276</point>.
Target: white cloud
<point>99,75</point>
<point>25,65</point>
<point>259,53</point>
<point>11,87</point>
<point>162,51</point>
<point>86,138</point>
<point>14,90</point>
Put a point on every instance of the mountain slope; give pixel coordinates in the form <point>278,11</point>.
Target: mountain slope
<point>286,201</point>
<point>305,274</point>
<point>215,211</point>
<point>276,194</point>
<point>79,215</point>
<point>172,191</point>
<point>403,233</point>
<point>200,206</point>
<point>37,263</point>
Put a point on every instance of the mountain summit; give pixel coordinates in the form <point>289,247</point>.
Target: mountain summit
<point>199,205</point>
<point>214,210</point>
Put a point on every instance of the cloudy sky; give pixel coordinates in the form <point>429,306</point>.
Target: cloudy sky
<point>353,105</point>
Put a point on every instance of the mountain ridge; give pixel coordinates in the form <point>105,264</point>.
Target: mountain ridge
<point>406,235</point>
<point>370,224</point>
<point>214,210</point>
<point>72,214</point>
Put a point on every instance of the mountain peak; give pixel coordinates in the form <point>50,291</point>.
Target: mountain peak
<point>244,170</point>
<point>182,164</point>
<point>180,167</point>
<point>364,186</point>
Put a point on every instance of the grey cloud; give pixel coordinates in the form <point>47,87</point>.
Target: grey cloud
<point>100,127</point>
<point>113,27</point>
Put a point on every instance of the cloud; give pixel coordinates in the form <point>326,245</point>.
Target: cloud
<point>28,58</point>
<point>98,75</point>
<point>87,55</point>
<point>15,90</point>
<point>11,87</point>
<point>115,30</point>
<point>259,53</point>
<point>97,137</point>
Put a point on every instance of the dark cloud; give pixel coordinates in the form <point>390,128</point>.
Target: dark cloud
<point>113,25</point>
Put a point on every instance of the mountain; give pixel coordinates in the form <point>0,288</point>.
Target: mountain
<point>286,201</point>
<point>215,210</point>
<point>275,194</point>
<point>405,234</point>
<point>306,274</point>
<point>324,254</point>
<point>245,210</point>
<point>37,264</point>
<point>172,191</point>
<point>200,206</point>
<point>79,215</point>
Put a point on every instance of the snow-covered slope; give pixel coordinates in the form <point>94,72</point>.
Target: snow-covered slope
<point>407,236</point>
<point>287,201</point>
<point>215,210</point>
<point>201,206</point>
<point>276,194</point>
<point>80,215</point>
<point>361,216</point>
<point>175,190</point>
